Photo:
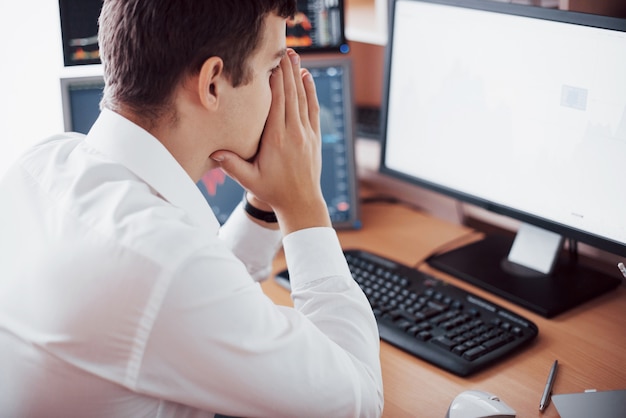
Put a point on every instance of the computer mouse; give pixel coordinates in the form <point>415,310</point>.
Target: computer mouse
<point>479,404</point>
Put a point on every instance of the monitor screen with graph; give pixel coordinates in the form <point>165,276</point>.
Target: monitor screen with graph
<point>333,78</point>
<point>317,26</point>
<point>79,31</point>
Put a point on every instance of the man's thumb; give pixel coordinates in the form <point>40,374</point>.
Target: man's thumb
<point>233,165</point>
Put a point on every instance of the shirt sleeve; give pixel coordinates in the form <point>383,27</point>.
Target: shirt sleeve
<point>220,344</point>
<point>323,289</point>
<point>254,245</point>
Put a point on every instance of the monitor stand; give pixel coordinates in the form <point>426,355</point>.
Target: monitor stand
<point>486,264</point>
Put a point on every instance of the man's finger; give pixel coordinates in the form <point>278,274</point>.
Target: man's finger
<point>291,92</point>
<point>300,90</point>
<point>313,106</point>
<point>277,109</point>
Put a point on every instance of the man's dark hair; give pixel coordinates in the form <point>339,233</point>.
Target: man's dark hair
<point>148,46</point>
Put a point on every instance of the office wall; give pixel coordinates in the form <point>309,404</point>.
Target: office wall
<point>31,64</point>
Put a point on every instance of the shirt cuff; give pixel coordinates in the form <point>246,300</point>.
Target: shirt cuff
<point>251,243</point>
<point>313,254</point>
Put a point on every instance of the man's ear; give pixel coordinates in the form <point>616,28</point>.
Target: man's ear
<point>210,82</point>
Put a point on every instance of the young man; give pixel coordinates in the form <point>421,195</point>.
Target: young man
<point>119,294</point>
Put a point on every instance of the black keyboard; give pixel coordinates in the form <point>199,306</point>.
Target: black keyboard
<point>434,320</point>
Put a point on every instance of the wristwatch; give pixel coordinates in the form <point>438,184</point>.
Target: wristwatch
<point>256,213</point>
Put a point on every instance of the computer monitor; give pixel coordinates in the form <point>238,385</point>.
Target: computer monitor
<point>522,111</point>
<point>333,82</point>
<point>318,26</point>
<point>80,100</point>
<point>333,78</point>
<point>79,31</point>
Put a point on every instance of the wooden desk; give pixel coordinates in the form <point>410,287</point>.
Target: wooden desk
<point>589,341</point>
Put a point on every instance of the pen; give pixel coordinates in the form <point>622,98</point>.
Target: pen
<point>545,398</point>
<point>622,268</point>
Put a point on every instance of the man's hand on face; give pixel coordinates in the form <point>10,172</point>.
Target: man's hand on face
<point>285,173</point>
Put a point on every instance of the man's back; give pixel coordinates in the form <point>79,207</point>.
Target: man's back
<point>71,319</point>
<point>120,296</point>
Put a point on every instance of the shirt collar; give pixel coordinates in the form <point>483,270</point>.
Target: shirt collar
<point>143,154</point>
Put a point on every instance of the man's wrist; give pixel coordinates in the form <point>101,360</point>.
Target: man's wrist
<point>256,213</point>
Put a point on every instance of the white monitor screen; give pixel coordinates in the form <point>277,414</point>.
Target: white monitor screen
<point>524,113</point>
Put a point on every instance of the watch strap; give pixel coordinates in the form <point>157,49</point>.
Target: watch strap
<point>256,213</point>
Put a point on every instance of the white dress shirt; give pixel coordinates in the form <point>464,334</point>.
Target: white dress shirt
<point>120,296</point>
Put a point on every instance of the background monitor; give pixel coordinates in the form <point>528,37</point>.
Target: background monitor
<point>333,81</point>
<point>80,98</point>
<point>79,31</point>
<point>318,26</point>
<point>522,111</point>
